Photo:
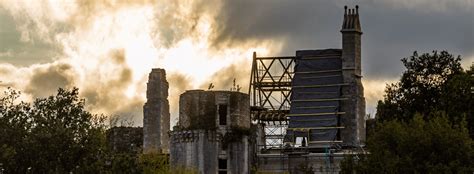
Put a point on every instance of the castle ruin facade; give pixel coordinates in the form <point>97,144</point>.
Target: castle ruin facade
<point>311,106</point>
<point>213,132</point>
<point>156,114</point>
<point>309,114</point>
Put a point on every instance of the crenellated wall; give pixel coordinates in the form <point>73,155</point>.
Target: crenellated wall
<point>199,109</point>
<point>213,132</point>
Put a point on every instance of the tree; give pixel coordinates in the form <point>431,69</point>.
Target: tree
<point>420,125</point>
<point>50,135</point>
<point>416,146</point>
<point>457,97</point>
<point>57,135</point>
<point>431,82</point>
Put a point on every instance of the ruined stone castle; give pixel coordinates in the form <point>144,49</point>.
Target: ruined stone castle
<point>156,114</point>
<point>212,134</point>
<point>315,102</point>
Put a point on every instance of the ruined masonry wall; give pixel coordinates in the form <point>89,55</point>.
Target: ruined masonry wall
<point>198,141</point>
<point>156,115</point>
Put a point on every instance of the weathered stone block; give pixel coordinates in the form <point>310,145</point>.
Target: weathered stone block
<point>214,128</point>
<point>156,115</point>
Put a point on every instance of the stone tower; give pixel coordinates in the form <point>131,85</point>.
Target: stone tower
<point>156,115</point>
<point>354,119</point>
<point>213,132</point>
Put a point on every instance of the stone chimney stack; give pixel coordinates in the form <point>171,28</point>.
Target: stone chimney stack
<point>354,119</point>
<point>351,36</point>
<point>156,115</point>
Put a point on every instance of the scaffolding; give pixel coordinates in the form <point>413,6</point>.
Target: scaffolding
<point>311,81</point>
<point>270,92</point>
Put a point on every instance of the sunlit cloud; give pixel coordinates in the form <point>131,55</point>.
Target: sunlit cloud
<point>106,48</point>
<point>109,48</point>
<point>374,90</point>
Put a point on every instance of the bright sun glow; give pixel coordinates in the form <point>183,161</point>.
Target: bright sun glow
<point>112,50</point>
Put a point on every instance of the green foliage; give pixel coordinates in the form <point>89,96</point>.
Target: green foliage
<point>431,82</point>
<point>416,146</point>
<point>131,163</point>
<point>419,88</point>
<point>122,163</point>
<point>457,97</point>
<point>370,126</point>
<point>349,165</point>
<point>149,163</point>
<point>424,123</point>
<point>51,135</point>
<point>155,163</point>
<point>57,135</point>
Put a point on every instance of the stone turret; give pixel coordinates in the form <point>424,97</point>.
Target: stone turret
<point>213,132</point>
<point>354,119</point>
<point>351,36</point>
<point>156,115</point>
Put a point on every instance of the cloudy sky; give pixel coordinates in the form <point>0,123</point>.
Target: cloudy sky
<point>106,48</point>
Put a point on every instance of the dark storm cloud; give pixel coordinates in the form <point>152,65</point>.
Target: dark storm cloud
<point>45,81</point>
<point>178,84</point>
<point>34,37</point>
<point>391,30</point>
<point>107,93</point>
<point>128,115</point>
<point>180,81</point>
<point>299,22</point>
<point>175,24</point>
<point>394,33</point>
<point>224,78</point>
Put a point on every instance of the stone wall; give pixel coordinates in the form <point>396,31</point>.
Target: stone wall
<point>198,109</point>
<point>354,120</point>
<point>196,149</point>
<point>201,150</point>
<point>201,140</point>
<point>156,115</point>
<point>300,163</point>
<point>125,139</point>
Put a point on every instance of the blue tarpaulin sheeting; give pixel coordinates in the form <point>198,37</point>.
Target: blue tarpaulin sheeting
<point>316,95</point>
